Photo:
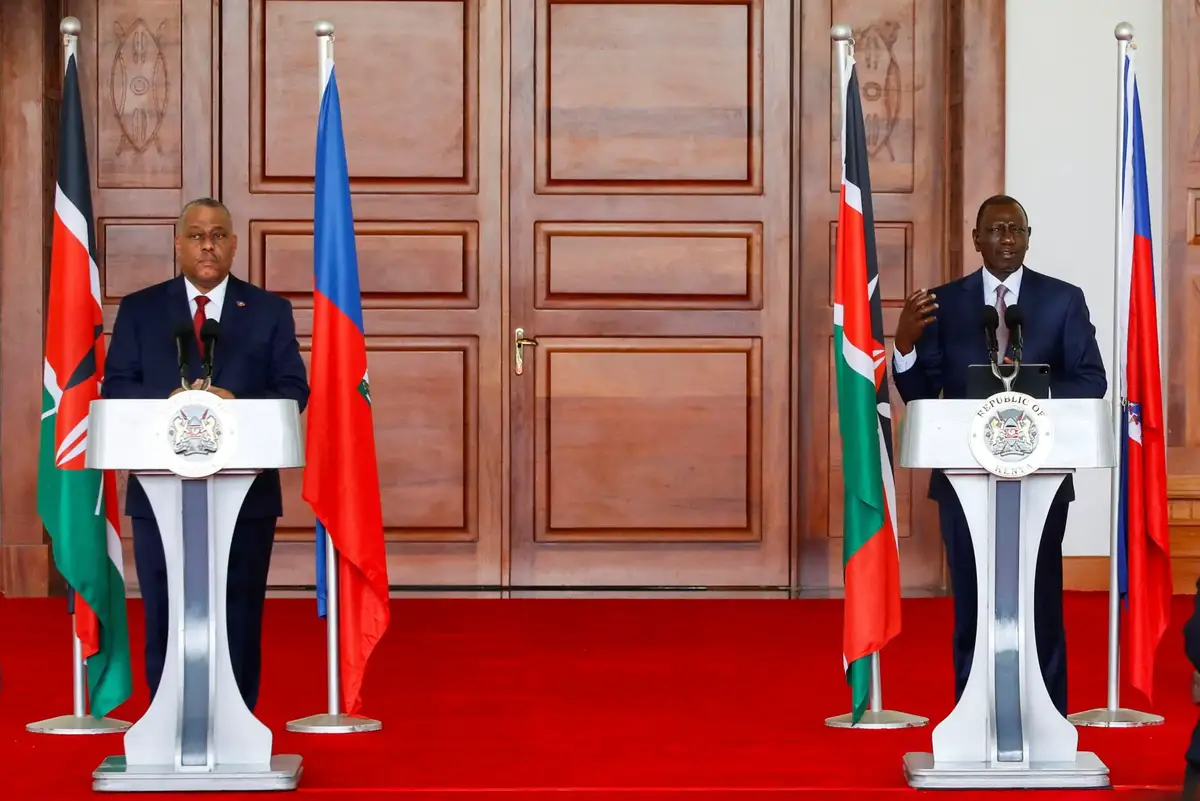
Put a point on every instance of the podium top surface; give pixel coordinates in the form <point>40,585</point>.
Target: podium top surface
<point>1009,434</point>
<point>194,434</point>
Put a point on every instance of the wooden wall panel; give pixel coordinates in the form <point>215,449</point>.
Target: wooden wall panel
<point>632,159</point>
<point>425,180</point>
<point>931,76</point>
<point>146,75</point>
<point>29,92</point>
<point>1179,297</point>
<point>901,54</point>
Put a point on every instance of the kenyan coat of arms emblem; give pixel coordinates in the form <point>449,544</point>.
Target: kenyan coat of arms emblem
<point>1011,434</point>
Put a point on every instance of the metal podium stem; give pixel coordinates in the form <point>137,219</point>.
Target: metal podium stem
<point>1112,715</point>
<point>79,722</point>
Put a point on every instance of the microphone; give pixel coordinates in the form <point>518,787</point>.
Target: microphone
<point>183,335</point>
<point>210,331</point>
<point>1014,318</point>
<point>991,323</point>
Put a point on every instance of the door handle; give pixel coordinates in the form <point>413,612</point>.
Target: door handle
<point>519,344</point>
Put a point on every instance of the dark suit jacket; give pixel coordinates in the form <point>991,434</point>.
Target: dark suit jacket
<point>1058,331</point>
<point>256,356</point>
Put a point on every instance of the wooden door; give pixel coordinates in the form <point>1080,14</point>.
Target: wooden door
<point>423,148</point>
<point>902,60</point>
<point>649,251</point>
<point>620,180</point>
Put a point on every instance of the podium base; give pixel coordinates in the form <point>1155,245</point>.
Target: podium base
<point>114,776</point>
<point>1115,718</point>
<point>1087,771</point>
<point>883,719</point>
<point>77,724</point>
<point>333,724</point>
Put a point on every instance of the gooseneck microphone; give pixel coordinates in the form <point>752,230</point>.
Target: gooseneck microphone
<point>991,323</point>
<point>183,335</point>
<point>1014,318</point>
<point>210,331</point>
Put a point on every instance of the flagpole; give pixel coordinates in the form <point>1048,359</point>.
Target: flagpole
<point>1113,715</point>
<point>79,721</point>
<point>876,717</point>
<point>334,721</point>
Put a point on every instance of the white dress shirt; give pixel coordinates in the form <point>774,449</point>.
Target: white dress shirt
<point>903,362</point>
<point>216,298</point>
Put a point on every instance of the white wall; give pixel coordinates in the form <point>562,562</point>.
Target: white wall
<point>1061,140</point>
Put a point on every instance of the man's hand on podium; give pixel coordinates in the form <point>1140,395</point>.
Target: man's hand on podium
<point>198,384</point>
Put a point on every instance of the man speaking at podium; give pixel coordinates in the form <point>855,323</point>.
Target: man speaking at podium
<point>254,355</point>
<point>940,334</point>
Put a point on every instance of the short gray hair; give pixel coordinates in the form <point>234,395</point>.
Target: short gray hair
<point>203,202</point>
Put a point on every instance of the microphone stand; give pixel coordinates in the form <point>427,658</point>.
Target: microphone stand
<point>181,349</point>
<point>1008,380</point>
<point>209,344</point>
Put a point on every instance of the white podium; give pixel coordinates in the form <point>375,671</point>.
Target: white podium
<point>196,456</point>
<point>1006,457</point>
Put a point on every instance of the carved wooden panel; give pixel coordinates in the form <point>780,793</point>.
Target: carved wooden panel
<point>414,264</point>
<point>678,421</point>
<point>648,265</point>
<point>649,236</point>
<point>425,397</point>
<point>425,179</point>
<point>423,138</point>
<point>140,136</point>
<point>663,96</point>
<point>900,52</point>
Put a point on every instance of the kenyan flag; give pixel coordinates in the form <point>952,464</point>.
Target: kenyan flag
<point>78,506</point>
<point>870,560</point>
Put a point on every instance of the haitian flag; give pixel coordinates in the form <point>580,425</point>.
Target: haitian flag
<point>1143,546</point>
<point>870,552</point>
<point>78,505</point>
<point>341,477</point>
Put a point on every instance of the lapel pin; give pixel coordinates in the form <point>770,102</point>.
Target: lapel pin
<point>241,303</point>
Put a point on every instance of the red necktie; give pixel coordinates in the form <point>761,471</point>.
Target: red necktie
<point>198,320</point>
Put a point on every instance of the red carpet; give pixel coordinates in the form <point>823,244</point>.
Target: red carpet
<point>629,699</point>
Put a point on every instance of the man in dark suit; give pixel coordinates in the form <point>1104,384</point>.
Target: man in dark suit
<point>1191,646</point>
<point>257,357</point>
<point>939,334</point>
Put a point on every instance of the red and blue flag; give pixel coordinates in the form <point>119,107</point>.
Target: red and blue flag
<point>341,475</point>
<point>1143,546</point>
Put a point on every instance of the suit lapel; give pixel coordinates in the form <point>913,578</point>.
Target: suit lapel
<point>971,309</point>
<point>232,318</point>
<point>181,317</point>
<point>1031,295</point>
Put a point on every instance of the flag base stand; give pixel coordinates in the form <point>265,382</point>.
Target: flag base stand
<point>1087,771</point>
<point>1115,718</point>
<point>877,719</point>
<point>77,724</point>
<point>115,776</point>
<point>333,724</point>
